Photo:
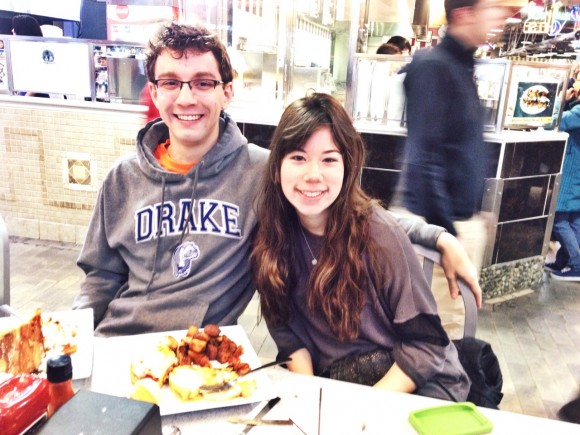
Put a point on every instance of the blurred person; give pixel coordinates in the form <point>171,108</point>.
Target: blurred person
<point>573,89</point>
<point>146,100</point>
<point>169,238</point>
<point>443,169</point>
<point>25,25</point>
<point>566,229</point>
<point>341,288</point>
<point>388,48</point>
<point>402,43</point>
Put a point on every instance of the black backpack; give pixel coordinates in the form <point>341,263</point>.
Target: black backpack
<point>482,367</point>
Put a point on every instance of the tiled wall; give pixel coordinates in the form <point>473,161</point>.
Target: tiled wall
<point>55,157</point>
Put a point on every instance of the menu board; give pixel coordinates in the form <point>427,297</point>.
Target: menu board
<point>535,95</point>
<point>535,102</point>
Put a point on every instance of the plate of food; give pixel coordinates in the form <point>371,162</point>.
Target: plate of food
<point>26,345</point>
<point>535,99</point>
<point>71,333</point>
<point>182,371</point>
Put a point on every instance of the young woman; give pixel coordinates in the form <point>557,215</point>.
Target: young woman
<point>341,288</point>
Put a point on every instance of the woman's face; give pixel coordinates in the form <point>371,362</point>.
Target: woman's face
<point>311,179</point>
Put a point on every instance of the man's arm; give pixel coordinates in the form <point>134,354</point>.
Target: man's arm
<point>454,259</point>
<point>105,270</point>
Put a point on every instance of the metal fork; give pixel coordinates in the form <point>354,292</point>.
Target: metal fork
<point>11,311</point>
<point>228,384</point>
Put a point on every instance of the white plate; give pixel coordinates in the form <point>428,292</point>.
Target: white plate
<point>535,99</point>
<point>82,320</point>
<point>112,375</point>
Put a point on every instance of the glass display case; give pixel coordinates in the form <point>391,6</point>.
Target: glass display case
<point>491,77</point>
<point>513,95</point>
<point>378,93</point>
<point>283,50</point>
<point>119,71</point>
<point>536,94</point>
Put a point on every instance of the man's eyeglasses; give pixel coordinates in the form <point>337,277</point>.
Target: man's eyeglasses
<point>174,86</point>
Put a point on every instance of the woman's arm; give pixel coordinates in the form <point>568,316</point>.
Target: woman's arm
<point>301,362</point>
<point>454,259</point>
<point>396,380</point>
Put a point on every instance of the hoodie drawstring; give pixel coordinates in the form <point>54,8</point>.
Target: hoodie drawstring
<point>159,220</point>
<point>190,212</point>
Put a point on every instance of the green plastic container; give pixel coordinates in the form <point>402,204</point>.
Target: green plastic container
<point>461,418</point>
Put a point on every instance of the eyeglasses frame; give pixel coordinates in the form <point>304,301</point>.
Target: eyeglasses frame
<point>190,83</point>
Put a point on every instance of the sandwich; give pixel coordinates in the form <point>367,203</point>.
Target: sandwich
<point>155,363</point>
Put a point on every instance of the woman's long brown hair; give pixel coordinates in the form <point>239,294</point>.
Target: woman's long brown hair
<point>339,283</point>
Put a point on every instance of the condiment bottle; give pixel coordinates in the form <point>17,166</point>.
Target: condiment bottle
<point>59,375</point>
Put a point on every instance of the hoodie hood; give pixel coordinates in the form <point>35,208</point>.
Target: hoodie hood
<point>155,132</point>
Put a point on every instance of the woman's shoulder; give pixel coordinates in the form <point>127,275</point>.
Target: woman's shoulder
<point>381,216</point>
<point>384,225</point>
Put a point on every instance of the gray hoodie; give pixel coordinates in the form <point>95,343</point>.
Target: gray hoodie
<point>148,270</point>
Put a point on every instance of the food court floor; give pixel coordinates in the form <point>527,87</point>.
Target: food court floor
<point>536,337</point>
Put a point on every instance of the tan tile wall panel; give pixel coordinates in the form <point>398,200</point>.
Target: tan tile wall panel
<point>36,198</point>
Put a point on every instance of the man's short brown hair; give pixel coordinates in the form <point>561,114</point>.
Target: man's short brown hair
<point>180,38</point>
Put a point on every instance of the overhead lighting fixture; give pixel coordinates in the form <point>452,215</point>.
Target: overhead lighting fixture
<point>512,20</point>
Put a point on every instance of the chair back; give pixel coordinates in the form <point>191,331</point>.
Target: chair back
<point>4,265</point>
<point>432,257</point>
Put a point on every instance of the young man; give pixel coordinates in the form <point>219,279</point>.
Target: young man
<point>168,243</point>
<point>443,172</point>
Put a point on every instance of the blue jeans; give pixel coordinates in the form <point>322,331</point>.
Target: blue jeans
<point>567,231</point>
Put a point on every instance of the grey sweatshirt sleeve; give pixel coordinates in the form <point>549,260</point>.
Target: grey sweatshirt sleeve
<point>105,270</point>
<point>418,231</point>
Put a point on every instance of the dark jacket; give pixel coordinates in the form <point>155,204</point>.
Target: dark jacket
<point>444,155</point>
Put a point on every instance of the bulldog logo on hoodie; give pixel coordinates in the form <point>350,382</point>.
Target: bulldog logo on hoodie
<point>183,257</point>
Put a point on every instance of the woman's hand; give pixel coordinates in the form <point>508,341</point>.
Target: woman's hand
<point>456,264</point>
<point>396,380</point>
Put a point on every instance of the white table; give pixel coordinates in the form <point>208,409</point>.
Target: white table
<point>345,408</point>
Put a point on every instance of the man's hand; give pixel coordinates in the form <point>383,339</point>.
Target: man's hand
<point>456,264</point>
